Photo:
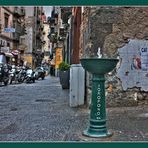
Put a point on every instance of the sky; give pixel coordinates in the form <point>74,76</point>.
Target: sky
<point>48,10</point>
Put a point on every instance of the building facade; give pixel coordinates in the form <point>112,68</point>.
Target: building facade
<point>31,42</point>
<point>45,41</point>
<point>12,27</point>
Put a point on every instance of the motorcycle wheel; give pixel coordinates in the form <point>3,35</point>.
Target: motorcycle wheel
<point>28,80</point>
<point>5,83</point>
<point>10,80</point>
<point>33,80</point>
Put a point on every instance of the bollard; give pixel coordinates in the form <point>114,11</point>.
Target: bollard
<point>98,67</point>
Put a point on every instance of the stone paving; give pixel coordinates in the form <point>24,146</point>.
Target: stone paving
<point>40,112</point>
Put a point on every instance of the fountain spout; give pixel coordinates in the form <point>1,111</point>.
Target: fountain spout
<point>99,53</point>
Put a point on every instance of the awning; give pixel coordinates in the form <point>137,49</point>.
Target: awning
<point>15,52</point>
<point>8,54</point>
<point>23,47</point>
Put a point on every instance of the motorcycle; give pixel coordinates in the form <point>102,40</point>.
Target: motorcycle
<point>12,74</point>
<point>21,75</point>
<point>30,76</point>
<point>40,73</point>
<point>4,74</point>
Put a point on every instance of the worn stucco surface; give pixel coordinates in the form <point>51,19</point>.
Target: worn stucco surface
<point>133,71</point>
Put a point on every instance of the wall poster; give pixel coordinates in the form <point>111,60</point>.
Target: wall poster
<point>133,71</point>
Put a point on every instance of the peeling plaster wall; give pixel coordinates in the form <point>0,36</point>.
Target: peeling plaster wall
<point>133,70</point>
<point>111,28</point>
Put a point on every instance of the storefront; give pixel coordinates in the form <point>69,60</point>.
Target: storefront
<point>27,58</point>
<point>3,43</point>
<point>16,57</point>
<point>5,50</point>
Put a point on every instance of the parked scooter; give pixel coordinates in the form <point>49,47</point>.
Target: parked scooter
<point>21,75</point>
<point>30,76</point>
<point>4,74</point>
<point>12,74</point>
<point>40,73</point>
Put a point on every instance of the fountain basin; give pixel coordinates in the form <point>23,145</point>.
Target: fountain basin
<point>99,65</point>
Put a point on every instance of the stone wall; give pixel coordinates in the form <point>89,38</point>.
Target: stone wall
<point>110,28</point>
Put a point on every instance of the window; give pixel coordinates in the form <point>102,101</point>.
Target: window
<point>14,26</point>
<point>6,20</point>
<point>8,44</point>
<point>22,40</point>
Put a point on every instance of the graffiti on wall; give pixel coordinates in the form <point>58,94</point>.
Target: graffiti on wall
<point>133,71</point>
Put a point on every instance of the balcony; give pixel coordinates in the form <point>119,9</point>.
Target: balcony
<point>61,38</point>
<point>43,42</point>
<point>53,37</point>
<point>17,12</point>
<point>52,30</point>
<point>65,13</point>
<point>51,20</point>
<point>56,15</point>
<point>22,12</point>
<point>63,31</point>
<point>16,36</point>
<point>38,21</point>
<point>42,28</point>
<point>38,36</point>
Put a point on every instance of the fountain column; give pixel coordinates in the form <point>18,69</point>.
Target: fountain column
<point>97,127</point>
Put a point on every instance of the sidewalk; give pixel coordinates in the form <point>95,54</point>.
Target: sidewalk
<point>128,124</point>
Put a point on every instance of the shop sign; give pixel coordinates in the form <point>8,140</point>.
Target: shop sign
<point>9,29</point>
<point>5,49</point>
<point>144,58</point>
<point>133,70</point>
<point>58,58</point>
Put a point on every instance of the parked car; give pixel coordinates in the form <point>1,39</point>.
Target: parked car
<point>40,73</point>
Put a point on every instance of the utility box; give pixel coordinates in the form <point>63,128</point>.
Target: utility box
<point>77,85</point>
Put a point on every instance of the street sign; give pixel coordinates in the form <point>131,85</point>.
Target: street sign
<point>9,29</point>
<point>58,58</point>
<point>4,49</point>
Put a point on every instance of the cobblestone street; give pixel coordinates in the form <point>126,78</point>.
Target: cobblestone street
<point>40,112</point>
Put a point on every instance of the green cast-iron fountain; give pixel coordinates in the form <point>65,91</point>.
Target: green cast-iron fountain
<point>98,67</point>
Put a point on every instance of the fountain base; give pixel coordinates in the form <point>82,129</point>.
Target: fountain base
<point>97,133</point>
